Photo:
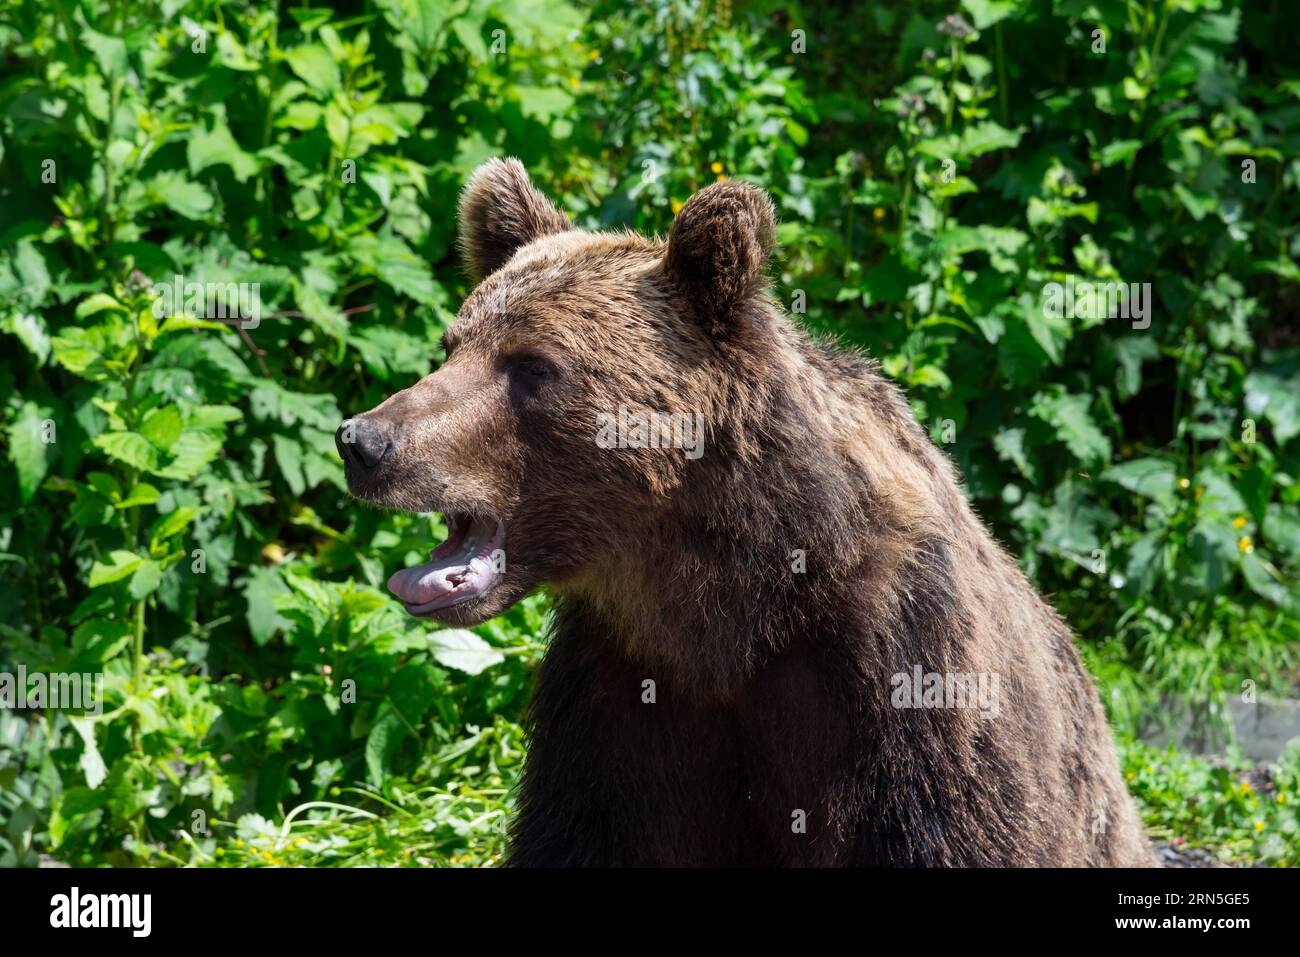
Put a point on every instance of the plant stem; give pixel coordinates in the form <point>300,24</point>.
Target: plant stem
<point>1003,107</point>
<point>110,184</point>
<point>263,192</point>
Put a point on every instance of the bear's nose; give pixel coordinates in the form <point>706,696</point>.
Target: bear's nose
<point>362,442</point>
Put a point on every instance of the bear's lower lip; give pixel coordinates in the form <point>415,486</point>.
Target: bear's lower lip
<point>466,566</point>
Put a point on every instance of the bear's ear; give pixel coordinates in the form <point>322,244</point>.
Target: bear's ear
<point>718,249</point>
<point>501,211</point>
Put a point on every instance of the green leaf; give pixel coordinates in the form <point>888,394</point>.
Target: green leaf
<point>463,650</point>
<point>29,449</point>
<point>1152,478</point>
<point>32,273</point>
<point>90,508</point>
<point>985,13</point>
<point>1217,495</point>
<point>313,63</point>
<point>217,146</point>
<point>382,742</point>
<point>192,452</point>
<point>30,330</point>
<point>1282,528</point>
<point>959,240</point>
<point>1275,390</point>
<point>110,52</point>
<point>421,20</point>
<point>1263,581</point>
<point>1050,332</point>
<point>105,484</point>
<point>145,579</point>
<point>987,137</point>
<point>543,102</point>
<point>97,303</point>
<point>1120,151</point>
<point>394,263</point>
<point>180,195</point>
<point>97,640</point>
<point>213,417</point>
<point>1131,352</point>
<point>260,590</point>
<point>469,32</point>
<point>289,456</point>
<point>231,54</point>
<point>91,762</point>
<point>1074,425</point>
<point>129,447</point>
<point>170,524</point>
<point>119,565</point>
<point>162,426</point>
<point>1010,445</point>
<point>142,494</point>
<point>319,312</point>
<point>81,352</point>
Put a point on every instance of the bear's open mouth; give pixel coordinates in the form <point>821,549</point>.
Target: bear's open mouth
<point>467,565</point>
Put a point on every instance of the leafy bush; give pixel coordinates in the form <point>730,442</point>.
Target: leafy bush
<point>1248,814</point>
<point>174,514</point>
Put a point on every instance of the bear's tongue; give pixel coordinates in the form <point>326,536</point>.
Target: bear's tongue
<point>465,566</point>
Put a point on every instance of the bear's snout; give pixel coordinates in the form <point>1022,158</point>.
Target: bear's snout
<point>362,443</point>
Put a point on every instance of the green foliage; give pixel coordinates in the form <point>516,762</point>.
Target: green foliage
<point>1244,814</point>
<point>173,513</point>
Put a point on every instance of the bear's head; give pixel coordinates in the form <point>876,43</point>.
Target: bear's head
<point>580,379</point>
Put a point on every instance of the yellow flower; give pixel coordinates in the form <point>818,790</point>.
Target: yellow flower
<point>1259,826</point>
<point>1245,787</point>
<point>1184,483</point>
<point>574,81</point>
<point>878,214</point>
<point>677,207</point>
<point>1281,798</point>
<point>1131,775</point>
<point>721,178</point>
<point>1239,521</point>
<point>716,167</point>
<point>593,55</point>
<point>1245,545</point>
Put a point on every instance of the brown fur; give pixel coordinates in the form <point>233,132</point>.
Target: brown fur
<point>773,686</point>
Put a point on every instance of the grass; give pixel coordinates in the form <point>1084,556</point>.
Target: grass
<point>1243,814</point>
<point>453,813</point>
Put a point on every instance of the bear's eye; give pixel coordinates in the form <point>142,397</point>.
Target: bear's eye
<point>530,367</point>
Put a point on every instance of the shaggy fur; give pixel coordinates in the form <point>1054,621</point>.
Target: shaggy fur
<point>771,678</point>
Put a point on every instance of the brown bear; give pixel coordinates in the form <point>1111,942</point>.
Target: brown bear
<point>781,635</point>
